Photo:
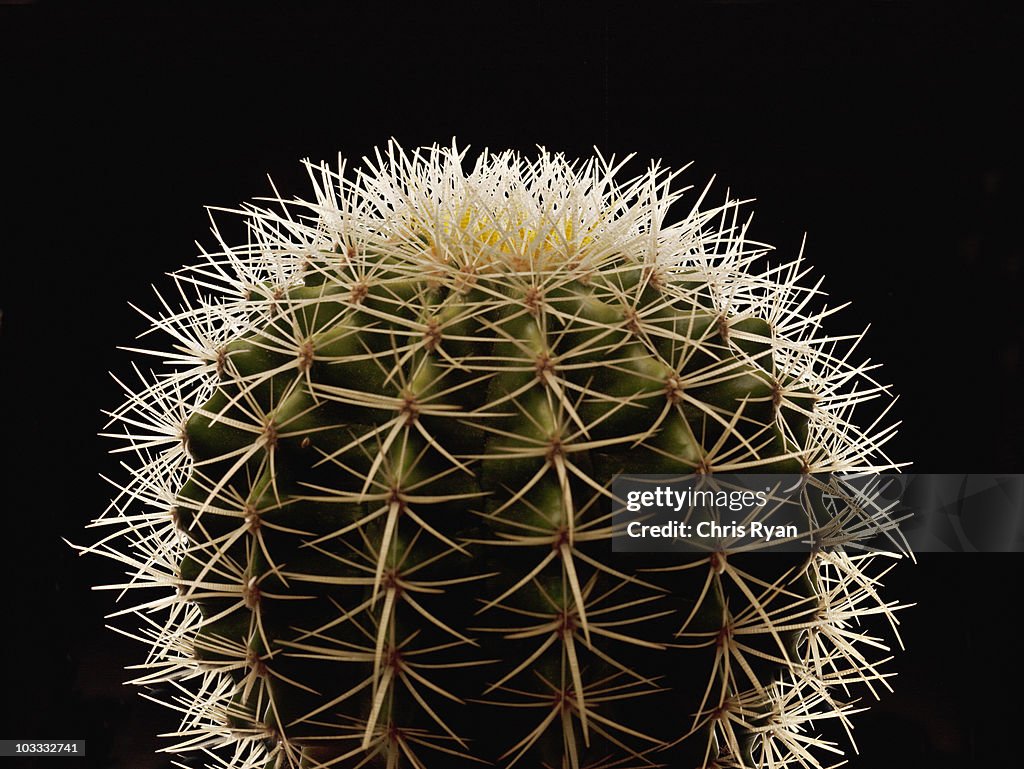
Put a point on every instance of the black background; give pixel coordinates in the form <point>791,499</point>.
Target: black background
<point>886,131</point>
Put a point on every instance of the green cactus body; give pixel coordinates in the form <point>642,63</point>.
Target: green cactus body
<point>390,496</point>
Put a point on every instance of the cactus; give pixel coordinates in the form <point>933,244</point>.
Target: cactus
<point>369,501</point>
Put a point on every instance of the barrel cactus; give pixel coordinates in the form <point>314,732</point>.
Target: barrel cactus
<point>369,502</point>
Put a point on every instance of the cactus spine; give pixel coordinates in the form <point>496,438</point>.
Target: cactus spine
<point>375,473</point>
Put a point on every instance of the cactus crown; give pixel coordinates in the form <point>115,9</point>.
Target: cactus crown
<point>372,477</point>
